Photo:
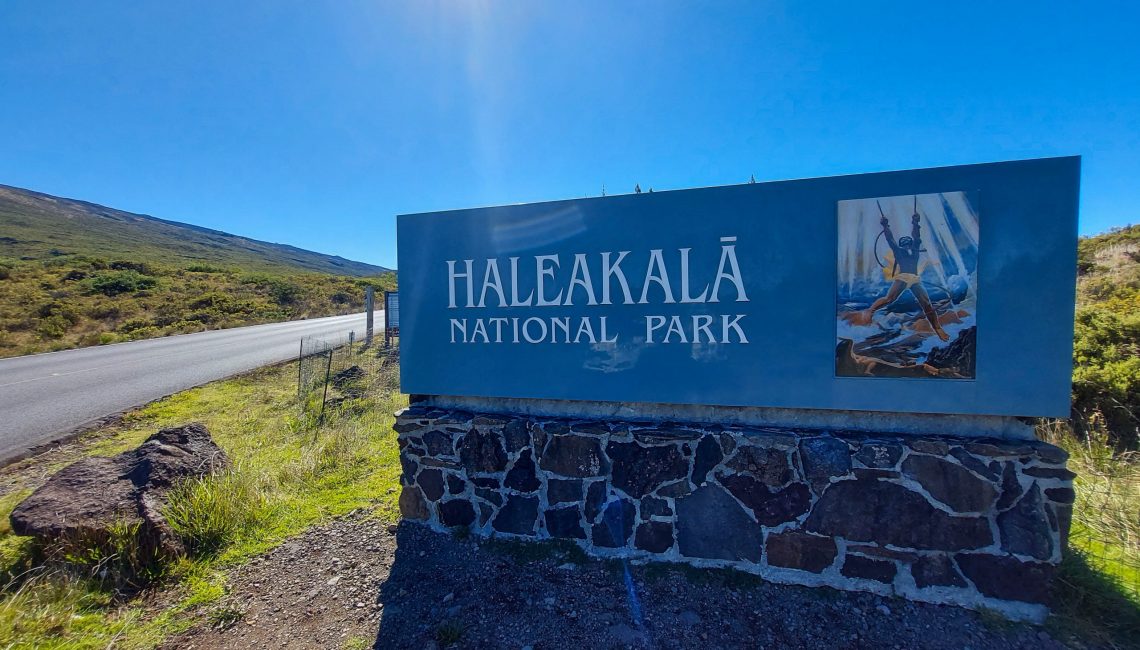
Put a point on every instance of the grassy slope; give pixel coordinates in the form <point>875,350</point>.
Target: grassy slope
<point>1098,587</point>
<point>34,224</point>
<point>74,274</point>
<point>288,474</point>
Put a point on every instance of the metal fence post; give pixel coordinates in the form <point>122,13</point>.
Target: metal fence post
<point>300,356</point>
<point>369,307</point>
<point>325,396</point>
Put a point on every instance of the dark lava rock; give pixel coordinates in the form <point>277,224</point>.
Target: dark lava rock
<point>487,482</point>
<point>971,462</point>
<point>431,482</point>
<point>1010,487</point>
<point>1049,472</point>
<point>563,491</point>
<point>412,503</point>
<point>824,457</point>
<point>678,489</point>
<point>769,466</point>
<point>856,566</point>
<point>492,496</point>
<point>408,468</point>
<point>482,452</point>
<point>936,571</point>
<point>574,456</point>
<point>522,475</point>
<point>1006,577</point>
<point>565,522</point>
<point>517,435</point>
<point>651,506</point>
<point>345,377</point>
<point>638,470</point>
<point>456,512</point>
<point>879,455</point>
<point>711,524</point>
<point>796,550</point>
<point>654,536</point>
<point>83,501</point>
<point>485,512</point>
<point>770,507</point>
<point>1061,495</point>
<point>518,515</point>
<point>708,456</point>
<point>950,483</point>
<point>439,443</point>
<point>959,355</point>
<point>616,526</point>
<point>1025,527</point>
<point>455,485</point>
<point>886,513</point>
<point>595,500</point>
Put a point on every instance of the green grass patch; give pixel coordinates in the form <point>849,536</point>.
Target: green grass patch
<point>1096,591</point>
<point>287,473</point>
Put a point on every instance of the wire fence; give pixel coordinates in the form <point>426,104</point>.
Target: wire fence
<point>333,370</point>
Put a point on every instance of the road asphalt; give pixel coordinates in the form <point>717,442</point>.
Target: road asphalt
<point>43,397</point>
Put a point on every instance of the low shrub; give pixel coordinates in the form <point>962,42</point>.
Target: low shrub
<point>114,283</point>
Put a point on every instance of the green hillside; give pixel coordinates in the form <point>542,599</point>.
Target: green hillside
<point>74,274</point>
<point>35,225</point>
<point>1106,348</point>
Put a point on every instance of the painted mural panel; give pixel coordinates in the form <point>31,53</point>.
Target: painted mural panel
<point>907,286</point>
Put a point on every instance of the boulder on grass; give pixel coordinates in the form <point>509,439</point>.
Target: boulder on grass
<point>85,503</point>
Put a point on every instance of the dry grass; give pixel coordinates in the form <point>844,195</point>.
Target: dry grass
<point>289,472</point>
<point>1097,591</point>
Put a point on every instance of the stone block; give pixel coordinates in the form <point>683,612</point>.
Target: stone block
<point>456,512</point>
<point>638,470</point>
<point>654,536</point>
<point>936,571</point>
<point>711,524</point>
<point>856,566</point>
<point>1025,528</point>
<point>564,491</point>
<point>616,525</point>
<point>950,483</point>
<point>798,550</point>
<point>887,513</point>
<point>412,503</point>
<point>1006,577</point>
<point>770,507</point>
<point>879,455</point>
<point>431,482</point>
<point>574,456</point>
<point>482,451</point>
<point>522,475</point>
<point>772,467</point>
<point>518,515</point>
<point>708,456</point>
<point>565,523</point>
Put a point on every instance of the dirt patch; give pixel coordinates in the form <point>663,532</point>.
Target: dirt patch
<point>360,583</point>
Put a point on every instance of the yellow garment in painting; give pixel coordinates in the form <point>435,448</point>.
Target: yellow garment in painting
<point>907,278</point>
<point>890,274</point>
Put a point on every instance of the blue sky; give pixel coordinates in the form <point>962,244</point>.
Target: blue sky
<point>314,124</point>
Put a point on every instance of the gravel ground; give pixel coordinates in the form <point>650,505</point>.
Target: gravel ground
<point>358,583</point>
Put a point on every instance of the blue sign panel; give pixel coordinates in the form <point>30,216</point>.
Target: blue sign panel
<point>945,290</point>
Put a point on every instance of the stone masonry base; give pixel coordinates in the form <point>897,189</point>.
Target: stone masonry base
<point>977,523</point>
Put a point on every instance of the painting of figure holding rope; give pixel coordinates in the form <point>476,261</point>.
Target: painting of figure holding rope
<point>906,305</point>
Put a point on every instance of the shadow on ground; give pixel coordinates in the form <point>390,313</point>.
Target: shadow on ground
<point>451,590</point>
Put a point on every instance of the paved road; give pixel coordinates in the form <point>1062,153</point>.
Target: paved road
<point>45,396</point>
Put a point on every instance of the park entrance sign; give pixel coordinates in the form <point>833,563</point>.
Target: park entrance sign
<point>928,291</point>
<point>820,381</point>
